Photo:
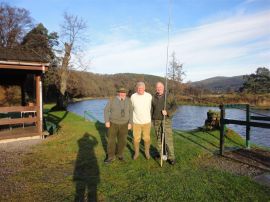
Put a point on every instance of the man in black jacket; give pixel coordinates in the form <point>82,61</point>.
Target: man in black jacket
<point>158,113</point>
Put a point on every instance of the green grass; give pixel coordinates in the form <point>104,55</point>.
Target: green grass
<point>71,164</point>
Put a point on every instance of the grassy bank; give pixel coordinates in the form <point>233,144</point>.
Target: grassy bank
<point>87,98</point>
<point>70,164</point>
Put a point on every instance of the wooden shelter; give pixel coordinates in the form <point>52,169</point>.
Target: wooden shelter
<point>15,66</point>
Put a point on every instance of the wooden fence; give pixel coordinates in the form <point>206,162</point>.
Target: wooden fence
<point>251,121</point>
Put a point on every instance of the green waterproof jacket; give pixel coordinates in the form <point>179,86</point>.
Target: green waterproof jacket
<point>158,106</point>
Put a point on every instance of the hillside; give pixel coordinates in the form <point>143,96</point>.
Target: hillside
<point>220,83</point>
<point>87,84</point>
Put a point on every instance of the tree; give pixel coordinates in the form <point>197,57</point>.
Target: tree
<point>14,23</point>
<point>257,83</point>
<point>41,41</point>
<point>72,33</point>
<point>175,72</point>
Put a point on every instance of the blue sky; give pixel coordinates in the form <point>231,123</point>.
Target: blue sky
<point>210,37</point>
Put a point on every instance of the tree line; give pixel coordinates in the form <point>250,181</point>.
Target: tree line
<point>18,31</point>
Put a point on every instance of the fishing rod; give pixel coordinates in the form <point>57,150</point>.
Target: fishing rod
<point>162,156</point>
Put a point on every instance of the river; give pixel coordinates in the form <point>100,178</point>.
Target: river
<point>186,118</point>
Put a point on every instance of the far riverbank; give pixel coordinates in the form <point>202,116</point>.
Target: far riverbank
<point>261,102</point>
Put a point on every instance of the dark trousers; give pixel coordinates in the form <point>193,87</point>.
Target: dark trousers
<point>117,137</point>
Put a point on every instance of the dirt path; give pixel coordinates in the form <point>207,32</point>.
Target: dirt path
<point>11,160</point>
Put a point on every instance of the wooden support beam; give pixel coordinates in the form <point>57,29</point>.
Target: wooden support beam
<point>243,106</point>
<point>248,127</point>
<point>18,120</point>
<point>24,67</point>
<point>244,123</point>
<point>38,103</point>
<point>260,118</point>
<point>17,109</point>
<point>222,130</point>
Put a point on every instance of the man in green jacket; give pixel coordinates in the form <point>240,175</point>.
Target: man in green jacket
<point>118,116</point>
<point>158,113</point>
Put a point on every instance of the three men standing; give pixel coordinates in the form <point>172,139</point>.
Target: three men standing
<point>118,115</point>
<point>121,112</point>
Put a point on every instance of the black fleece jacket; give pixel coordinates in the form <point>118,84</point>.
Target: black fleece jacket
<point>158,106</point>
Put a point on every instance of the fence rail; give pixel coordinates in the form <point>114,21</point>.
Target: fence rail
<point>248,123</point>
<point>90,115</point>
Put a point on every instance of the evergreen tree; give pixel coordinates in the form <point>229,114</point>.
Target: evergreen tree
<point>257,83</point>
<point>41,41</point>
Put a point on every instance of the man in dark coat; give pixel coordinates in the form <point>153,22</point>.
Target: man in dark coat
<point>158,113</point>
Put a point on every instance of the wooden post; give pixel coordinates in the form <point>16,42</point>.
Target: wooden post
<point>247,127</point>
<point>39,104</point>
<point>222,130</point>
<point>23,101</point>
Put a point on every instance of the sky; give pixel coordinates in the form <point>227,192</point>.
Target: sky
<point>209,37</point>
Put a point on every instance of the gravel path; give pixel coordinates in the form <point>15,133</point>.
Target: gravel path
<point>18,146</point>
<point>11,160</point>
<point>254,163</point>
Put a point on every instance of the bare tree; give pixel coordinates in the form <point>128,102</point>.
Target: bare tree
<point>72,33</point>
<point>14,23</point>
<point>175,71</point>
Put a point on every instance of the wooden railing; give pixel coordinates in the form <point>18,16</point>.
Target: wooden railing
<point>90,115</point>
<point>248,123</point>
<point>18,109</point>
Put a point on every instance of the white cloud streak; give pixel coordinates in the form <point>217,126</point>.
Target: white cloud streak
<point>236,45</point>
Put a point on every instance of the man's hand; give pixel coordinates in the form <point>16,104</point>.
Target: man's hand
<point>108,124</point>
<point>129,126</point>
<point>164,113</point>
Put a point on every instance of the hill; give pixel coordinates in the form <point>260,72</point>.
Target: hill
<point>220,83</point>
<point>87,84</point>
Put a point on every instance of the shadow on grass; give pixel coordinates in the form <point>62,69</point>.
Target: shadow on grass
<point>102,131</point>
<point>86,171</point>
<point>234,142</point>
<point>226,136</point>
<point>130,143</point>
<point>56,120</point>
<point>204,139</point>
<point>257,159</point>
<point>193,141</point>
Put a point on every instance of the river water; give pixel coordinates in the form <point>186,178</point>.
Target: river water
<point>186,118</point>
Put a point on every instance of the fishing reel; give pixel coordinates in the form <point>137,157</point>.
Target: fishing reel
<point>164,157</point>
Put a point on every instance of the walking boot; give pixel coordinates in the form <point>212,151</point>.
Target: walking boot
<point>146,150</point>
<point>136,150</point>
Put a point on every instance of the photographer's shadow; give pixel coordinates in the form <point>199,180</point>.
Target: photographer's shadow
<point>86,171</point>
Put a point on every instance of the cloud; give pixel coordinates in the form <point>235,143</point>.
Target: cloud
<point>236,45</point>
